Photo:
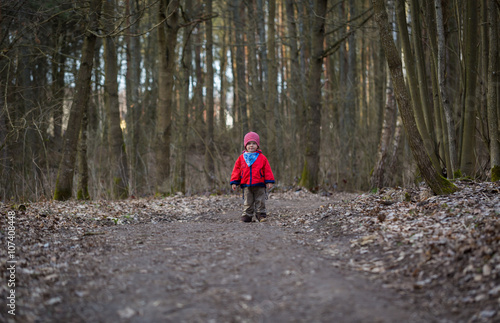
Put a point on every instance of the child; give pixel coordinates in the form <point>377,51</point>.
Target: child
<point>253,173</point>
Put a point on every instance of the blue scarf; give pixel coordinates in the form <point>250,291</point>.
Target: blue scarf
<point>250,158</point>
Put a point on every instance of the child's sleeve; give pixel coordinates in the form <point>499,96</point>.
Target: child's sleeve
<point>236,174</point>
<point>268,173</point>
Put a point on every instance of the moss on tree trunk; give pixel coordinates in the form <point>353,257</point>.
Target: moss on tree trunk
<point>495,173</point>
<point>304,178</point>
<point>61,194</point>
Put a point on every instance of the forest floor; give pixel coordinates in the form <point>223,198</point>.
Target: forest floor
<point>396,256</point>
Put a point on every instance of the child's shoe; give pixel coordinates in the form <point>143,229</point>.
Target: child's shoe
<point>261,217</point>
<point>246,218</point>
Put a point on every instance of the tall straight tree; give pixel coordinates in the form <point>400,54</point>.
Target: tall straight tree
<point>274,124</point>
<point>310,171</point>
<point>209,149</point>
<point>64,183</point>
<point>471,68</point>
<point>183,121</point>
<point>436,182</point>
<point>445,101</point>
<point>263,113</point>
<point>168,19</point>
<point>117,152</point>
<point>350,103</point>
<point>439,115</point>
<point>411,70</point>
<point>58,71</point>
<point>493,82</point>
<point>381,166</point>
<point>420,67</point>
<point>223,81</point>
<point>199,103</point>
<point>31,145</point>
<point>133,81</point>
<point>82,190</point>
<point>293,82</point>
<point>238,9</point>
<point>294,85</point>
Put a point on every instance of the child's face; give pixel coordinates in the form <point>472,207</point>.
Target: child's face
<point>251,147</point>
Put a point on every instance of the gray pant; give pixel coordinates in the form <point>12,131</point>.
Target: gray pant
<point>255,201</point>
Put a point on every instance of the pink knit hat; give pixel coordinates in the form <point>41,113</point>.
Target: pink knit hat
<point>251,136</point>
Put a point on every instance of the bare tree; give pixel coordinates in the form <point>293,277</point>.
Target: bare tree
<point>436,182</point>
<point>413,82</point>
<point>310,172</point>
<point>183,120</point>
<point>238,9</point>
<point>82,190</point>
<point>272,106</point>
<point>133,85</point>
<point>168,16</point>
<point>493,82</point>
<point>467,159</point>
<point>441,62</point>
<point>390,112</point>
<point>209,149</point>
<point>64,183</point>
<point>117,152</point>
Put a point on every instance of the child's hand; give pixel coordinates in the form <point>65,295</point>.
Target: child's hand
<point>269,185</point>
<point>233,187</point>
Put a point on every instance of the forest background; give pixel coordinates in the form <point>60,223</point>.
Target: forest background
<point>110,99</point>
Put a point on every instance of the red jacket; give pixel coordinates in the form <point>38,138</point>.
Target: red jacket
<point>259,174</point>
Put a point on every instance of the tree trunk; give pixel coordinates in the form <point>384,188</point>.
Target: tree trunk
<point>493,81</point>
<point>294,84</point>
<point>199,104</point>
<point>421,69</point>
<point>440,122</point>
<point>351,104</point>
<point>483,78</point>
<point>377,180</point>
<point>64,183</point>
<point>467,160</point>
<point>223,83</point>
<point>82,191</point>
<point>450,123</point>
<point>183,123</point>
<point>304,53</point>
<point>264,113</point>
<point>240,66</point>
<point>117,153</point>
<point>380,74</point>
<point>209,152</point>
<point>413,82</point>
<point>310,172</point>
<point>396,152</point>
<point>439,115</point>
<point>342,88</point>
<point>256,96</point>
<point>273,121</point>
<point>235,113</point>
<point>31,141</point>
<point>167,41</point>
<point>437,183</point>
<point>58,70</point>
<point>94,108</point>
<point>133,83</point>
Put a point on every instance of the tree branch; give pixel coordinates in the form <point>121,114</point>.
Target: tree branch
<point>333,48</point>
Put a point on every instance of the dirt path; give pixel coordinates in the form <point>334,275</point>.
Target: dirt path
<point>215,269</point>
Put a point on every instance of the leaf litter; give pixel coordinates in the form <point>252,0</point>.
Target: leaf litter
<point>441,250</point>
